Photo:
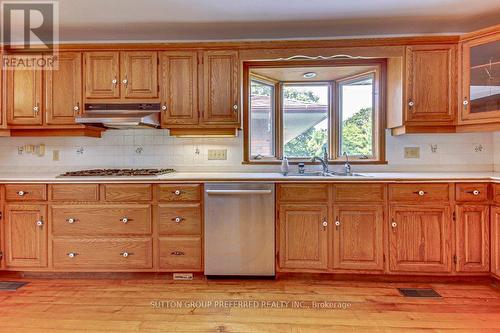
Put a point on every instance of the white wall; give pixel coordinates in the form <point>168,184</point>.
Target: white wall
<point>455,152</point>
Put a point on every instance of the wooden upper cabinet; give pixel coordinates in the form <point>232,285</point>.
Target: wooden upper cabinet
<point>495,240</point>
<point>480,86</point>
<point>102,71</point>
<point>179,88</point>
<point>23,94</point>
<point>26,236</point>
<point>431,84</point>
<point>221,82</point>
<point>63,90</point>
<point>358,237</point>
<point>139,74</point>
<point>419,239</point>
<point>473,238</point>
<point>303,239</point>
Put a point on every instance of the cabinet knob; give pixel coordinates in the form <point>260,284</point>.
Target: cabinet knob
<point>394,224</point>
<point>76,108</point>
<point>36,108</point>
<point>125,254</point>
<point>72,254</point>
<point>124,220</point>
<point>125,81</point>
<point>421,193</point>
<point>178,219</point>
<point>474,192</point>
<point>177,192</point>
<point>39,223</point>
<point>164,107</point>
<point>177,253</point>
<point>337,223</point>
<point>114,81</point>
<point>235,107</point>
<point>411,103</point>
<point>324,224</point>
<point>21,193</point>
<point>465,102</point>
<point>71,220</point>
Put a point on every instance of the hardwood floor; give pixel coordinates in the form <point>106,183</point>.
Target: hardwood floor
<point>112,305</point>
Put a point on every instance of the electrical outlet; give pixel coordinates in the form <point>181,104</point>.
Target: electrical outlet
<point>217,154</point>
<point>55,155</point>
<point>412,152</point>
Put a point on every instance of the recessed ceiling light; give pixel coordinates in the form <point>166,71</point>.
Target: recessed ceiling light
<point>309,75</point>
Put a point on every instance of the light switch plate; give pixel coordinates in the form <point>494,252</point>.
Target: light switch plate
<point>55,155</point>
<point>412,152</point>
<point>217,154</point>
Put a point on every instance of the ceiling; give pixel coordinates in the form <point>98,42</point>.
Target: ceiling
<point>295,74</point>
<point>167,20</point>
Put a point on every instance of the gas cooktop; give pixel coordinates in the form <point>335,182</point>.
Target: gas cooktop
<point>116,172</point>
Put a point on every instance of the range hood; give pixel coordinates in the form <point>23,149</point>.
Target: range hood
<point>121,115</point>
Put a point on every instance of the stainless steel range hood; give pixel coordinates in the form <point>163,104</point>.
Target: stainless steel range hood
<point>121,116</point>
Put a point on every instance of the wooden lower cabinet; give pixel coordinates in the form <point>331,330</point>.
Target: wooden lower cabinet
<point>26,236</point>
<point>495,241</point>
<point>473,238</point>
<point>102,253</point>
<point>303,236</point>
<point>358,237</point>
<point>420,239</point>
<point>180,253</point>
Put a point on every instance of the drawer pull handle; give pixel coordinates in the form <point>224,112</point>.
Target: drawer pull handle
<point>39,223</point>
<point>72,254</point>
<point>124,220</point>
<point>177,192</point>
<point>125,254</point>
<point>475,192</point>
<point>177,253</point>
<point>22,193</point>
<point>421,193</point>
<point>178,219</point>
<point>71,220</point>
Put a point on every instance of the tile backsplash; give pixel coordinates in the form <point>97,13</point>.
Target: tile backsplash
<point>155,148</point>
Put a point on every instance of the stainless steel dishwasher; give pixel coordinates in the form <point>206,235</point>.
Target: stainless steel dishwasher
<point>239,229</point>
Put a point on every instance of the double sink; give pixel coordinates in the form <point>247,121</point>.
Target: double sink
<point>324,174</point>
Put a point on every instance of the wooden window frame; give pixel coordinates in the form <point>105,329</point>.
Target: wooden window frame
<point>379,106</point>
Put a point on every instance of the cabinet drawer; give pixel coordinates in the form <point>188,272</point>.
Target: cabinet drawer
<point>419,192</point>
<point>25,192</point>
<point>303,192</point>
<point>179,219</point>
<point>471,192</point>
<point>74,192</point>
<point>358,192</point>
<point>97,220</point>
<point>180,253</point>
<point>103,253</point>
<point>181,192</point>
<point>127,192</point>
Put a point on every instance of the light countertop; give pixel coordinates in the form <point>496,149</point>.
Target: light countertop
<point>51,177</point>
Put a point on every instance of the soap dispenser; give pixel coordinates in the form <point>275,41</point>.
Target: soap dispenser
<point>285,166</point>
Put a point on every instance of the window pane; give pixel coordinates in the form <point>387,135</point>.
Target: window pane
<point>305,119</point>
<point>356,117</point>
<point>262,119</point>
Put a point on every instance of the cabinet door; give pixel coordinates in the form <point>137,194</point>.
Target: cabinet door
<point>220,72</point>
<point>495,241</point>
<point>139,74</point>
<point>473,238</point>
<point>431,91</point>
<point>24,97</point>
<point>303,237</point>
<point>63,90</point>
<point>26,236</point>
<point>357,237</point>
<point>419,239</point>
<point>102,75</point>
<point>480,93</point>
<point>179,90</point>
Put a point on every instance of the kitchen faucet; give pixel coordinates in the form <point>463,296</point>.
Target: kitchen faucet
<point>347,165</point>
<point>324,160</point>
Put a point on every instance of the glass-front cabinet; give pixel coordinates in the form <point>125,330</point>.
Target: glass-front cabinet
<point>480,99</point>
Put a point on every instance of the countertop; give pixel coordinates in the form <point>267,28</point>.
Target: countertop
<point>51,177</point>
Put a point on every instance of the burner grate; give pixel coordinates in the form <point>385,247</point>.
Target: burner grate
<point>116,172</point>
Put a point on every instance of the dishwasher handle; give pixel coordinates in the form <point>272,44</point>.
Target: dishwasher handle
<point>223,192</point>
